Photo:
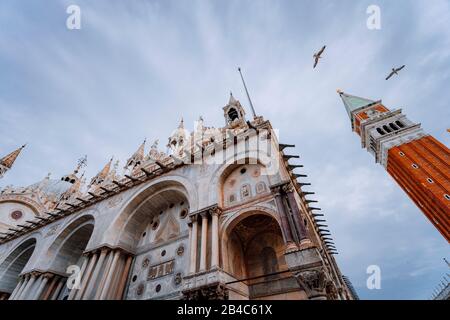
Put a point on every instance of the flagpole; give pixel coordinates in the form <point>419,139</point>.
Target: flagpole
<point>248,95</point>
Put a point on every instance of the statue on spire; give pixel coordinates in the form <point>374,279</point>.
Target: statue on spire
<point>137,158</point>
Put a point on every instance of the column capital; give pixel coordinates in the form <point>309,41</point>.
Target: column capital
<point>193,218</point>
<point>216,211</point>
<point>204,214</point>
<point>314,281</point>
<point>277,189</point>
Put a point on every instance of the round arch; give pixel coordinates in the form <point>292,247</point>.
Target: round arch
<point>253,250</point>
<point>70,243</point>
<point>15,262</point>
<point>122,233</point>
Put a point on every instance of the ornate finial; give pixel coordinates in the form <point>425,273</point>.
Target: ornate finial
<point>82,162</point>
<point>339,91</point>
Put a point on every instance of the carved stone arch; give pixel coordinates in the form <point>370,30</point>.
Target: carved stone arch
<point>119,232</point>
<point>69,244</point>
<point>15,263</point>
<point>231,221</point>
<point>253,252</point>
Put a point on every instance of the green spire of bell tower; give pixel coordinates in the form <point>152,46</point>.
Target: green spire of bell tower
<point>353,103</point>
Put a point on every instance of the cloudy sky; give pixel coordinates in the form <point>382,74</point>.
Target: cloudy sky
<point>136,67</point>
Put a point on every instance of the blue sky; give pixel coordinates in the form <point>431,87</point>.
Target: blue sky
<point>136,67</point>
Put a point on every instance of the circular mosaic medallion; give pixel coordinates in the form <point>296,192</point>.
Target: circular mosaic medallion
<point>16,214</point>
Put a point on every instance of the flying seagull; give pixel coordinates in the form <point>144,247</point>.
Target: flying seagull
<point>317,56</point>
<point>394,71</point>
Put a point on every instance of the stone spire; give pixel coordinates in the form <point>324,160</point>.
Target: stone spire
<point>7,162</point>
<point>137,158</point>
<point>102,175</point>
<point>232,100</point>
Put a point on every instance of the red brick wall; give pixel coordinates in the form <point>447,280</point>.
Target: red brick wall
<point>433,161</point>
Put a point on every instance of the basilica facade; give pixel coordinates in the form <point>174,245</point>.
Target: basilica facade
<point>222,215</point>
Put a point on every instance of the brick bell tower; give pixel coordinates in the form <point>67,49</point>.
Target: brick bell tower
<point>417,161</point>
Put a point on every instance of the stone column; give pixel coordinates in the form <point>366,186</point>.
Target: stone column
<point>110,276</point>
<point>121,286</point>
<point>204,239</point>
<point>305,242</point>
<point>28,287</point>
<point>73,291</point>
<point>50,288</point>
<point>41,287</point>
<point>105,275</point>
<point>215,237</point>
<point>193,245</point>
<point>86,276</point>
<point>16,289</point>
<point>93,280</point>
<point>58,289</point>
<point>19,292</point>
<point>285,227</point>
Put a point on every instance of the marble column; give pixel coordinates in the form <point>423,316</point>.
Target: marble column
<point>49,290</point>
<point>16,289</point>
<point>104,275</point>
<point>41,287</point>
<point>95,274</point>
<point>28,287</point>
<point>204,241</point>
<point>215,238</point>
<point>110,275</point>
<point>19,292</point>
<point>73,291</point>
<point>86,276</point>
<point>58,289</point>
<point>193,245</point>
<point>302,233</point>
<point>285,227</point>
<point>121,286</point>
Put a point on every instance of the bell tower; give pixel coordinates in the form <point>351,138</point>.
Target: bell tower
<point>234,113</point>
<point>418,162</point>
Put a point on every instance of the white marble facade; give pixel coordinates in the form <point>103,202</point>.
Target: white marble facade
<point>175,226</point>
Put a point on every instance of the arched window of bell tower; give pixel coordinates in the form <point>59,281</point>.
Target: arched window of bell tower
<point>233,114</point>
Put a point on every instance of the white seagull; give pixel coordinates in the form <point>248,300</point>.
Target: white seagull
<point>317,56</point>
<point>394,71</point>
